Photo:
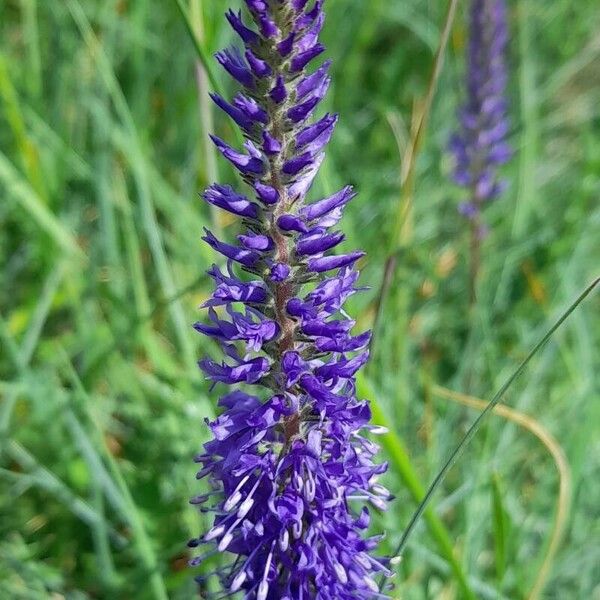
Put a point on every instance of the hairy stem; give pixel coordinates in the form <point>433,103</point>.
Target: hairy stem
<point>474,258</point>
<point>283,291</point>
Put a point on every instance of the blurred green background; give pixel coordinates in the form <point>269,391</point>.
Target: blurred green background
<point>103,124</point>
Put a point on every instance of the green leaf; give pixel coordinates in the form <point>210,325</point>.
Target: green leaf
<point>500,523</point>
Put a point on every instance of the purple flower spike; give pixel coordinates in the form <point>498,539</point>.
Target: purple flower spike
<point>268,194</point>
<point>278,93</point>
<point>245,121</point>
<point>280,272</point>
<point>301,60</point>
<point>229,289</point>
<point>259,67</point>
<point>244,257</point>
<point>480,146</point>
<point>317,243</point>
<point>292,477</point>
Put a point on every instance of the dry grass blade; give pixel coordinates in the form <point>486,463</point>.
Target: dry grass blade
<point>403,227</point>
<point>562,466</point>
<point>402,232</point>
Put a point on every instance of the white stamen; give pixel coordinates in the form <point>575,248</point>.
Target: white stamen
<point>236,496</point>
<point>298,483</point>
<point>379,430</point>
<point>232,501</point>
<point>245,508</point>
<point>363,560</point>
<point>310,489</point>
<point>284,541</point>
<point>297,530</point>
<point>227,539</point>
<point>378,503</point>
<point>371,584</point>
<point>215,532</point>
<point>248,502</point>
<point>263,590</point>
<point>341,573</point>
<point>381,490</point>
<point>237,583</point>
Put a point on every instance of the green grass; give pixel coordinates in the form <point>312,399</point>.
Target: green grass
<point>102,154</point>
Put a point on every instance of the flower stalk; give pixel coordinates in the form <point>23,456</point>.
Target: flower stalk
<point>480,147</point>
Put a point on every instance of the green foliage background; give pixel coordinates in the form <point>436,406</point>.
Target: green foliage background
<point>102,153</point>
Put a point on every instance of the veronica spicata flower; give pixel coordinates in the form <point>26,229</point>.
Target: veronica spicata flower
<point>480,147</point>
<point>291,473</point>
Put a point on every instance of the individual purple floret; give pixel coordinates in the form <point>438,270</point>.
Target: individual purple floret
<point>291,473</point>
<point>480,147</point>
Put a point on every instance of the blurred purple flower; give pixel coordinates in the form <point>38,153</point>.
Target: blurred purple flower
<point>480,146</point>
<point>290,471</point>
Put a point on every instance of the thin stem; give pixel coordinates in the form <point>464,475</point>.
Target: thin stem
<point>401,463</point>
<point>474,258</point>
<point>283,291</point>
<point>403,229</point>
<point>562,467</point>
<point>478,422</point>
<point>208,152</point>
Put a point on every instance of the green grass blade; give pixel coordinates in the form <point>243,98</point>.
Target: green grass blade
<point>526,199</point>
<point>46,480</point>
<point>139,164</point>
<point>31,33</point>
<point>13,108</point>
<point>40,314</point>
<point>204,57</point>
<point>31,202</point>
<point>98,453</point>
<point>208,151</point>
<point>106,566</point>
<point>500,526</point>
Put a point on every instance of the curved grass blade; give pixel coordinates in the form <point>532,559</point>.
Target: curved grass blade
<point>562,467</point>
<point>490,406</point>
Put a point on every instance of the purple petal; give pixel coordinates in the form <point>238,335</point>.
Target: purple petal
<point>247,35</point>
<point>266,193</point>
<point>225,197</point>
<point>291,223</point>
<point>234,64</point>
<point>316,210</point>
<point>327,263</point>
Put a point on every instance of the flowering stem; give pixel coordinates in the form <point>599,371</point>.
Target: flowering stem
<point>480,145</point>
<point>208,153</point>
<point>474,257</point>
